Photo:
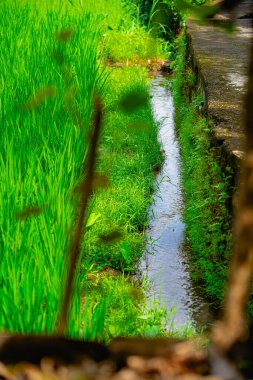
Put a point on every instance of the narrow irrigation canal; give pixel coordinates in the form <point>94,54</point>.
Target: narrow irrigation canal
<point>166,264</point>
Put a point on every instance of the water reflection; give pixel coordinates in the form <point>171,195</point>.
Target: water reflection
<point>167,266</point>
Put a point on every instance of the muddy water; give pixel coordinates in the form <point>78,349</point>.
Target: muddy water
<point>166,265</point>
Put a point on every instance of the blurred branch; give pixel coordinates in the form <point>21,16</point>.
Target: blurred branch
<point>233,326</point>
<point>75,246</point>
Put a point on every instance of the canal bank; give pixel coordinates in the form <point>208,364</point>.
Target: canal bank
<point>209,85</point>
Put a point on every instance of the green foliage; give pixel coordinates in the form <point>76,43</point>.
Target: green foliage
<point>139,44</point>
<point>128,157</point>
<point>42,150</point>
<point>134,100</point>
<point>160,16</point>
<point>206,189</point>
<point>53,65</point>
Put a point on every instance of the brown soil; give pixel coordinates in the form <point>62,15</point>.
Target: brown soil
<point>154,65</point>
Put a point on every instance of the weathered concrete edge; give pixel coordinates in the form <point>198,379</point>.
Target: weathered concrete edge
<point>227,157</point>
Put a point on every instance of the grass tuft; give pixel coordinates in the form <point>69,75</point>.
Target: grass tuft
<point>206,189</point>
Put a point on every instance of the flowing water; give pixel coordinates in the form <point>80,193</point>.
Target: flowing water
<point>166,265</point>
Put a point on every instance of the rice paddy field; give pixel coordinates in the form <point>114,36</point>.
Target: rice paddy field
<point>55,55</point>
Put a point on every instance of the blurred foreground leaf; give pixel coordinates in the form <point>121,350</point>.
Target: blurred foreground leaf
<point>133,101</point>
<point>65,35</point>
<point>202,12</point>
<point>58,56</point>
<point>205,13</point>
<point>111,237</point>
<point>28,212</point>
<point>100,181</point>
<point>139,126</point>
<point>40,96</point>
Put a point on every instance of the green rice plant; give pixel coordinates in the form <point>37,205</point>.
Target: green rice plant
<point>51,59</point>
<point>53,54</point>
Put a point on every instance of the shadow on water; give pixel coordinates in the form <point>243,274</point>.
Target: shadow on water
<point>166,265</point>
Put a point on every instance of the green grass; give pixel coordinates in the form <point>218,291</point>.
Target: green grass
<point>42,150</point>
<point>124,38</point>
<point>206,188</point>
<point>129,155</point>
<point>54,61</point>
<point>47,82</point>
